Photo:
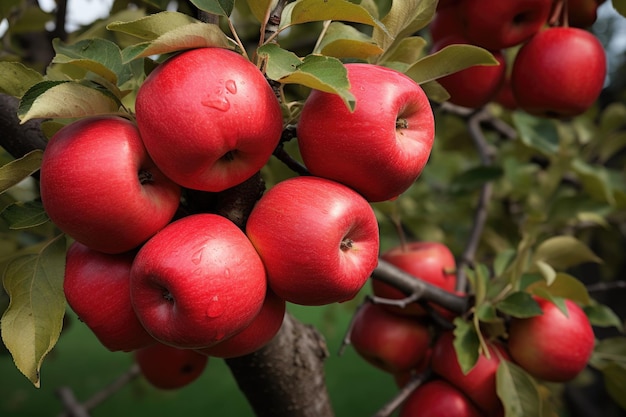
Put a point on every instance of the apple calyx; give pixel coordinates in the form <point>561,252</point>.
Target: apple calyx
<point>346,244</point>
<point>402,123</point>
<point>145,176</point>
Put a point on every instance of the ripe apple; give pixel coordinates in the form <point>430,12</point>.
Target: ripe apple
<point>197,282</point>
<point>99,185</point>
<point>438,398</point>
<point>479,384</point>
<point>431,261</point>
<point>381,147</point>
<point>544,79</point>
<point>446,22</point>
<point>552,346</point>
<point>167,367</point>
<point>475,86</point>
<point>497,24</point>
<point>388,341</point>
<point>582,13</point>
<point>505,96</point>
<point>262,329</point>
<point>97,288</point>
<point>209,118</point>
<point>318,240</point>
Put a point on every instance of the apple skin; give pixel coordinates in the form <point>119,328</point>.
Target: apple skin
<point>260,332</point>
<point>209,118</point>
<point>496,24</point>
<point>91,189</point>
<point>544,80</point>
<point>97,288</point>
<point>197,282</point>
<point>446,22</point>
<point>475,86</point>
<point>438,398</point>
<point>480,382</point>
<point>168,368</point>
<point>552,346</point>
<point>379,149</point>
<point>317,238</point>
<point>582,13</point>
<point>388,341</point>
<point>431,261</point>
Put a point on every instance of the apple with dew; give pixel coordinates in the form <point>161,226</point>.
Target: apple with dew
<point>437,398</point>
<point>97,288</point>
<point>430,261</point>
<point>381,147</point>
<point>388,341</point>
<point>197,282</point>
<point>99,185</point>
<point>479,384</point>
<point>258,333</point>
<point>166,367</point>
<point>474,86</point>
<point>552,346</point>
<point>318,240</point>
<point>209,118</point>
<point>544,80</point>
<point>497,24</point>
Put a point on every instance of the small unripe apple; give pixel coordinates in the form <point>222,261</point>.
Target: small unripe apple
<point>209,118</point>
<point>438,398</point>
<point>318,240</point>
<point>552,346</point>
<point>197,282</point>
<point>388,341</point>
<point>166,367</point>
<point>381,147</point>
<point>546,77</point>
<point>97,288</point>
<point>99,185</point>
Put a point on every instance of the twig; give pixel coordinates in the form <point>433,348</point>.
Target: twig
<point>606,286</point>
<point>403,394</point>
<point>270,28</point>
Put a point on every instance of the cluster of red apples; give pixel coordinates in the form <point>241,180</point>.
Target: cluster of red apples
<point>541,64</point>
<point>148,273</point>
<point>405,342</point>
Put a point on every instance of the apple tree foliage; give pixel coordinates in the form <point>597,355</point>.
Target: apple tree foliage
<point>530,206</point>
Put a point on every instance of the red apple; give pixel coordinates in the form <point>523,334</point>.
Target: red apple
<point>209,118</point>
<point>167,367</point>
<point>438,398</point>
<point>318,240</point>
<point>479,384</point>
<point>552,346</point>
<point>97,288</point>
<point>197,282</point>
<point>505,96</point>
<point>446,22</point>
<point>381,147</point>
<point>99,185</point>
<point>474,86</point>
<point>431,261</point>
<point>546,78</point>
<point>497,24</point>
<point>388,341</point>
<point>262,329</point>
<point>582,13</point>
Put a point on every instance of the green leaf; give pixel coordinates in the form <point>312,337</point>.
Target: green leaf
<point>479,280</point>
<point>474,178</point>
<point>32,323</point>
<point>218,7</point>
<point>434,91</point>
<point>502,261</point>
<point>405,17</point>
<point>16,78</point>
<point>314,71</point>
<point>615,382</point>
<point>537,133</point>
<point>260,8</point>
<point>603,316</point>
<point>518,391</point>
<point>620,6</point>
<point>66,99</point>
<point>19,169</point>
<point>152,26</point>
<point>563,286</point>
<point>562,252</point>
<point>486,312</point>
<point>344,41</point>
<point>451,59</point>
<point>23,215</point>
<point>406,51</point>
<point>100,56</point>
<point>595,179</point>
<point>519,304</point>
<point>611,350</point>
<point>546,270</point>
<point>466,344</point>
<point>190,36</point>
<point>304,11</point>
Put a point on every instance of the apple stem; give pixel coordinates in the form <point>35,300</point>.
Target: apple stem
<point>145,176</point>
<point>402,123</point>
<point>228,156</point>
<point>346,244</point>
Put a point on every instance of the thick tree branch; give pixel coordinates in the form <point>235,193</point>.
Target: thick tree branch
<point>18,139</point>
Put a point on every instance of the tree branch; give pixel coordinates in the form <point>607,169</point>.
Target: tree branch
<point>18,139</point>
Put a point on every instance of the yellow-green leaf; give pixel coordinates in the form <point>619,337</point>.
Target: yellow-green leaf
<point>405,17</point>
<point>407,51</point>
<point>16,78</point>
<point>23,215</point>
<point>152,26</point>
<point>32,323</point>
<point>466,344</point>
<point>563,286</point>
<point>18,169</point>
<point>304,11</point>
<point>562,252</point>
<point>218,7</point>
<point>518,391</point>
<point>615,382</point>
<point>260,8</point>
<point>344,41</point>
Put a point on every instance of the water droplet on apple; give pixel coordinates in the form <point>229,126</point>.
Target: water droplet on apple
<point>227,273</point>
<point>217,100</point>
<point>196,258</point>
<point>215,308</point>
<point>231,86</point>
